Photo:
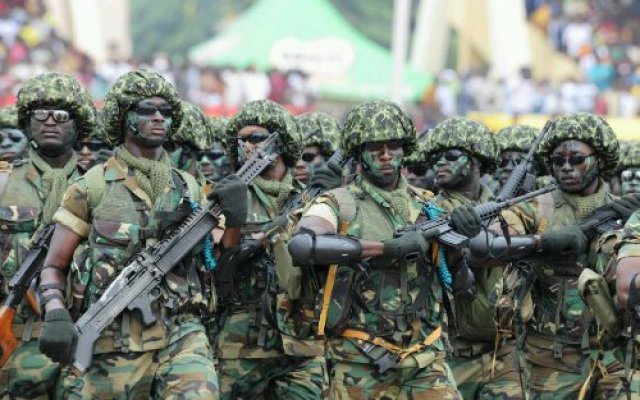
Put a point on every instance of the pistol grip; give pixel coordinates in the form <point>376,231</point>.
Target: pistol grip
<point>144,306</point>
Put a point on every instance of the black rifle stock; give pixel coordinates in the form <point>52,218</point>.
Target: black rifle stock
<point>135,287</point>
<point>487,211</point>
<point>521,176</point>
<point>19,287</point>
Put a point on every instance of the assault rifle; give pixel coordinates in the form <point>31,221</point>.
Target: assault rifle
<point>19,286</point>
<point>134,287</point>
<point>521,178</point>
<point>489,210</point>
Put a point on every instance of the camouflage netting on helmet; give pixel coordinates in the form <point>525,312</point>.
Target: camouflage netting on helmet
<point>587,128</point>
<point>57,90</point>
<point>516,138</point>
<point>467,135</point>
<point>217,131</point>
<point>630,157</point>
<point>376,121</point>
<point>194,129</point>
<point>9,117</point>
<point>129,90</point>
<point>273,117</point>
<point>319,129</point>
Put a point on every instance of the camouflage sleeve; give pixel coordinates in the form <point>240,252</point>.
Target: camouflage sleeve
<point>521,218</point>
<point>74,209</point>
<point>629,246</point>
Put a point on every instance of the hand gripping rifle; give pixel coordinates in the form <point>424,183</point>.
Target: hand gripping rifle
<point>135,286</point>
<point>19,287</point>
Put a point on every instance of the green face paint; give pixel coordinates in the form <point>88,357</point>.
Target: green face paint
<point>453,174</point>
<point>380,174</point>
<point>575,178</point>
<point>630,180</point>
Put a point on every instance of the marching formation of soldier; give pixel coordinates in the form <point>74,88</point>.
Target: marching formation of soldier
<point>354,260</point>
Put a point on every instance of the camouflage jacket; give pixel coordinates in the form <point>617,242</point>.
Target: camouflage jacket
<point>20,209</point>
<point>382,301</point>
<point>489,283</point>
<point>245,333</point>
<point>558,312</point>
<point>109,209</point>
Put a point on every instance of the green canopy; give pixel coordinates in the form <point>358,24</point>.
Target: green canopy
<point>312,36</point>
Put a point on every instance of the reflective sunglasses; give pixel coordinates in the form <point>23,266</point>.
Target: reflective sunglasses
<point>255,138</point>
<point>309,157</point>
<point>14,135</point>
<point>449,155</point>
<point>211,155</point>
<point>58,115</point>
<point>149,110</point>
<point>392,145</point>
<point>628,175</point>
<point>504,161</point>
<point>93,145</point>
<point>576,159</point>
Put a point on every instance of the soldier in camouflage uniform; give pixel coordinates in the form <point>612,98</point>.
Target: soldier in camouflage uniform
<point>257,358</point>
<point>213,161</point>
<point>189,140</point>
<point>514,143</point>
<point>119,208</point>
<point>13,143</point>
<point>558,333</point>
<point>630,169</point>
<point>381,307</point>
<point>320,136</point>
<point>54,110</point>
<point>461,151</point>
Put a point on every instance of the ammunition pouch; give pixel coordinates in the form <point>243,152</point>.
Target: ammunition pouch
<point>595,292</point>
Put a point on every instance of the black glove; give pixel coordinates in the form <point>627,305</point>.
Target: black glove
<point>328,177</point>
<point>231,192</point>
<point>466,221</point>
<point>58,336</point>
<point>626,205</point>
<point>409,247</point>
<point>568,240</point>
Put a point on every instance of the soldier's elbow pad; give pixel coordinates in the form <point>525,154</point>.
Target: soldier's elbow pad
<point>307,248</point>
<point>487,245</point>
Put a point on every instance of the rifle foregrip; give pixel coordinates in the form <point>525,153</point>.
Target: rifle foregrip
<point>84,351</point>
<point>8,341</point>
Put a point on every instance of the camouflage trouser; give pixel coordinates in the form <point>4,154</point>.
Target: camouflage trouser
<point>28,374</point>
<point>363,381</point>
<point>284,377</point>
<point>475,380</point>
<point>183,370</point>
<point>562,378</point>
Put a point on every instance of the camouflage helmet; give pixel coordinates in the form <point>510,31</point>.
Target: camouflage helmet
<point>587,128</point>
<point>127,91</point>
<point>464,134</point>
<point>631,156</point>
<point>194,128</point>
<point>319,129</point>
<point>377,120</point>
<point>217,131</point>
<point>273,117</point>
<point>9,117</point>
<point>516,138</point>
<point>56,89</point>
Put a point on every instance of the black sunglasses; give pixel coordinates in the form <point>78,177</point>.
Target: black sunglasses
<point>449,155</point>
<point>309,157</point>
<point>255,138</point>
<point>505,161</point>
<point>392,145</point>
<point>211,155</point>
<point>576,159</point>
<point>627,175</point>
<point>58,115</point>
<point>91,145</point>
<point>148,110</point>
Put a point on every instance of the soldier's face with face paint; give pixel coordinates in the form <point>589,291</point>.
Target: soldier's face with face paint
<point>149,122</point>
<point>382,161</point>
<point>12,144</point>
<point>575,166</point>
<point>508,161</point>
<point>630,180</point>
<point>453,168</point>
